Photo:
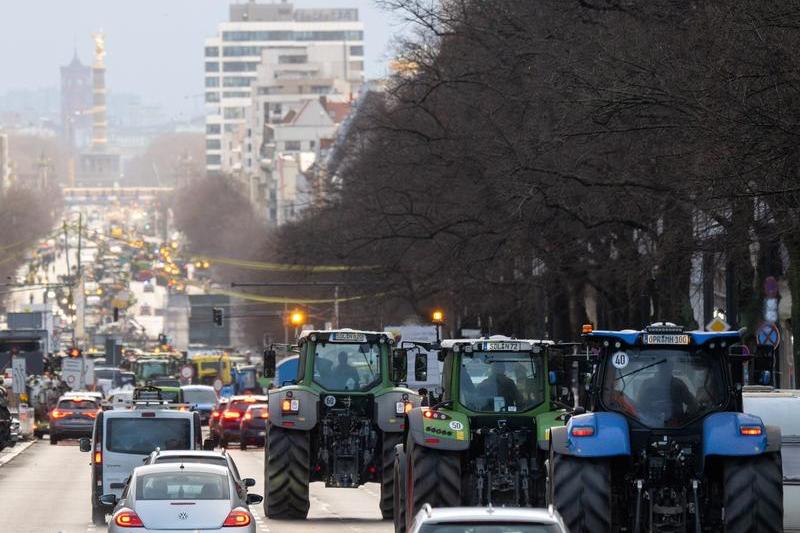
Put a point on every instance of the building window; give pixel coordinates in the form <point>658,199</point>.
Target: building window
<point>212,66</point>
<point>320,89</point>
<point>235,94</point>
<point>239,36</point>
<point>212,82</point>
<point>233,112</point>
<point>213,159</point>
<point>237,51</point>
<point>329,36</point>
<point>213,129</point>
<point>291,146</point>
<point>212,97</point>
<point>213,144</point>
<point>292,60</point>
<point>356,65</point>
<point>236,81</point>
<point>239,66</point>
<point>212,51</point>
<point>356,50</point>
<point>257,36</point>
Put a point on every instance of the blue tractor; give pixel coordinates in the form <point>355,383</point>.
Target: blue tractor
<point>666,446</point>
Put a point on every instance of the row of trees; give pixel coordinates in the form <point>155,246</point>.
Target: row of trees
<point>539,164</point>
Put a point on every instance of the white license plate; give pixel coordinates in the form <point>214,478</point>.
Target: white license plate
<point>666,338</point>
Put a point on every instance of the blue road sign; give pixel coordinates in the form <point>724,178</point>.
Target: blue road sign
<point>768,335</point>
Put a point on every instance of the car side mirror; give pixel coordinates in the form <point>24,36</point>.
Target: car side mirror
<point>208,445</point>
<point>269,363</point>
<point>399,364</point>
<point>85,444</point>
<point>253,499</point>
<point>249,482</point>
<point>108,500</point>
<point>421,367</point>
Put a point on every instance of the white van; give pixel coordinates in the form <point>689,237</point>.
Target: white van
<point>781,408</point>
<point>123,439</point>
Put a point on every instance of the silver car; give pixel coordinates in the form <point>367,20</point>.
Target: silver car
<point>487,520</point>
<point>181,496</point>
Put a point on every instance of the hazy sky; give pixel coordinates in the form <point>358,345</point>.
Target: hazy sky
<point>154,47</point>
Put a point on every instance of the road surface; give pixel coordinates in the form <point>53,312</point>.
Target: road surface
<point>45,489</point>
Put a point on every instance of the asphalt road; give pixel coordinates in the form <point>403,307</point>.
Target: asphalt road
<point>45,489</point>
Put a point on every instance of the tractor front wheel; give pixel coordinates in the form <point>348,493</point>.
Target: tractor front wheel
<point>287,473</point>
<point>581,492</point>
<point>753,494</point>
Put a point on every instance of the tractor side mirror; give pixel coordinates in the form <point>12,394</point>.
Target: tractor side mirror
<point>399,365</point>
<point>269,363</point>
<point>421,367</point>
<point>552,377</point>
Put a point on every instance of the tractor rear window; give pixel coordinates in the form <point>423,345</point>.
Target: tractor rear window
<point>663,388</point>
<point>501,381</point>
<point>343,367</point>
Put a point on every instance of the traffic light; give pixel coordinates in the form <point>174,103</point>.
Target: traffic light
<point>437,317</point>
<point>297,318</point>
<point>217,316</point>
<point>75,352</point>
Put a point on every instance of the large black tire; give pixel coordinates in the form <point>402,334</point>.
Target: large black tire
<point>388,443</point>
<point>753,494</point>
<point>581,492</point>
<point>98,516</point>
<point>286,473</point>
<point>399,490</point>
<point>434,477</point>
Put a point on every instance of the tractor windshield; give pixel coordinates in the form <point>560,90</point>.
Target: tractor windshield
<point>501,381</point>
<point>347,366</point>
<point>662,387</point>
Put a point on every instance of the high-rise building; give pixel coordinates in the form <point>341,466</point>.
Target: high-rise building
<point>76,101</point>
<point>274,41</point>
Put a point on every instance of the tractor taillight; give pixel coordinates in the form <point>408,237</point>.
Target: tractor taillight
<point>582,431</point>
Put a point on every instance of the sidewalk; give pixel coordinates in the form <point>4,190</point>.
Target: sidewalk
<point>8,454</point>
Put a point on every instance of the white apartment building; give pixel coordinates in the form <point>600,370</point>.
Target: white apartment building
<point>279,46</point>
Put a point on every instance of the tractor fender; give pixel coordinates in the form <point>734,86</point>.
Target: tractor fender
<point>306,417</point>
<point>609,436</point>
<point>722,435</point>
<point>417,424</point>
<point>386,415</point>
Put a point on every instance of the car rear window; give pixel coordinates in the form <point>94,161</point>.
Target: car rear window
<point>182,486</point>
<point>242,405</point>
<point>143,435</point>
<point>78,404</point>
<point>219,461</point>
<point>489,527</point>
<point>258,412</point>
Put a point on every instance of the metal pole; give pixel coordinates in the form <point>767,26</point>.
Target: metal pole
<point>336,307</point>
<point>285,323</point>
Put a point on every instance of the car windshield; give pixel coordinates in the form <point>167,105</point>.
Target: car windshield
<point>208,460</point>
<point>663,387</point>
<point>77,404</point>
<point>182,486</point>
<point>347,367</point>
<point>143,435</point>
<point>501,381</point>
<point>489,527</point>
<point>199,396</point>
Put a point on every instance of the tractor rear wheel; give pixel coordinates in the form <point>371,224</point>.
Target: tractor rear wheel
<point>287,473</point>
<point>389,441</point>
<point>399,491</point>
<point>581,492</point>
<point>434,477</point>
<point>753,494</point>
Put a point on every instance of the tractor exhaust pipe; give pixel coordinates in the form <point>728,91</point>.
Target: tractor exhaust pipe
<point>637,523</point>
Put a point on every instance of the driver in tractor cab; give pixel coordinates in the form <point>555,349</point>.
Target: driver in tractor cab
<point>614,396</point>
<point>342,373</point>
<point>498,384</point>
<point>665,395</point>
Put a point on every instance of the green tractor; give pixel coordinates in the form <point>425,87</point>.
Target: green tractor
<point>485,442</point>
<point>338,422</point>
